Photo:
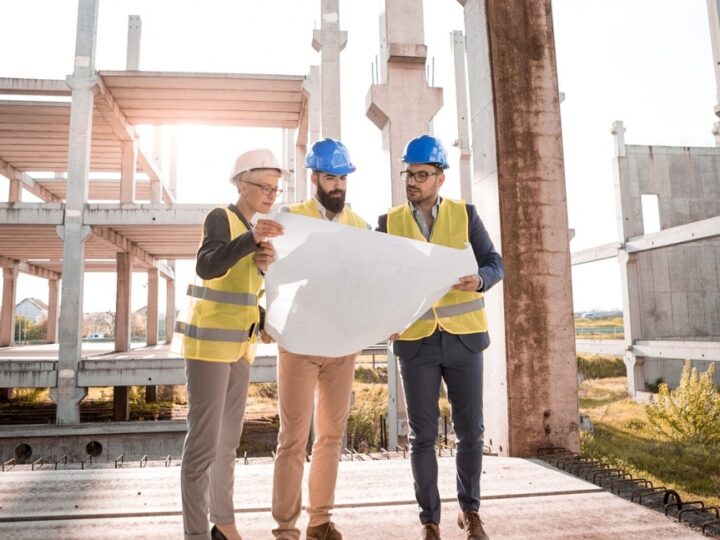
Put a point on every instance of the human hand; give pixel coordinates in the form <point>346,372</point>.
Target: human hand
<point>266,228</point>
<point>265,337</point>
<point>265,256</point>
<point>393,337</point>
<point>468,283</point>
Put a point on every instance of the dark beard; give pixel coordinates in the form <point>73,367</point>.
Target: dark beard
<point>334,204</point>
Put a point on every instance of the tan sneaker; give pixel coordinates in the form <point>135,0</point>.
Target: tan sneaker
<point>471,523</point>
<point>326,531</point>
<point>430,531</point>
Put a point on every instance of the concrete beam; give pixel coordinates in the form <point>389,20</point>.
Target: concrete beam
<point>691,350</point>
<point>597,253</point>
<point>119,242</point>
<point>704,229</point>
<point>32,214</point>
<point>28,268</point>
<point>38,87</point>
<point>27,182</point>
<point>28,374</point>
<point>144,214</point>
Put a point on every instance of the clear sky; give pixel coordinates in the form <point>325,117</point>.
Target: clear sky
<point>646,62</point>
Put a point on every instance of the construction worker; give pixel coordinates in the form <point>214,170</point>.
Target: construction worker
<point>218,343</point>
<point>446,343</point>
<point>303,377</point>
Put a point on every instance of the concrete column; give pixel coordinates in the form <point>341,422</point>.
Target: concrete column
<point>133,42</point>
<point>403,105</point>
<point>716,133</point>
<point>7,320</point>
<point>288,161</point>
<point>127,171</point>
<point>52,311</point>
<point>122,328</point>
<point>463,141</point>
<point>300,180</point>
<point>629,223</point>
<point>531,394</point>
<point>170,305</point>
<point>152,306</point>
<point>67,395</point>
<point>172,178</point>
<point>330,40</point>
<point>156,183</point>
<point>15,190</point>
<point>397,413</point>
<point>713,7</point>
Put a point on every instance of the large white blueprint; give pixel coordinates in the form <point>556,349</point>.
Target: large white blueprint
<point>335,289</point>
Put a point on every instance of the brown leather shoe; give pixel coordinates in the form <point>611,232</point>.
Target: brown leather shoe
<point>430,531</point>
<point>471,523</point>
<point>326,531</point>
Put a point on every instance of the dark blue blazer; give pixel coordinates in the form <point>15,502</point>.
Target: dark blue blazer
<point>490,268</point>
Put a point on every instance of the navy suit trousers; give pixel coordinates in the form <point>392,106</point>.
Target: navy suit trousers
<point>444,357</point>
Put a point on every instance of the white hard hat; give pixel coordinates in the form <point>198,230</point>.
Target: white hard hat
<point>261,158</point>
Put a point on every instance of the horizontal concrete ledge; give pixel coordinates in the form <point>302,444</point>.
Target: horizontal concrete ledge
<point>28,431</point>
<point>692,350</point>
<point>264,510</point>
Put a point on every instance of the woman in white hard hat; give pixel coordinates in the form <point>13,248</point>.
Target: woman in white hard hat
<point>218,342</point>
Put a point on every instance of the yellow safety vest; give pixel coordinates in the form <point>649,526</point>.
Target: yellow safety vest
<point>346,217</point>
<point>458,312</point>
<point>223,310</point>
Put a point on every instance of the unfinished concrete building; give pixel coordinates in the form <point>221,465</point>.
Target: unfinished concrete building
<point>530,317</point>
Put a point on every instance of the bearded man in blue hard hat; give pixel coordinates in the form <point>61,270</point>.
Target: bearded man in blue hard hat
<point>304,377</point>
<point>446,343</point>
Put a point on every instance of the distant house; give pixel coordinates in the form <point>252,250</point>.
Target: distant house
<point>32,309</point>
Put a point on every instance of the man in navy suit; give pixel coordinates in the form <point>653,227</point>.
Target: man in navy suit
<point>446,343</point>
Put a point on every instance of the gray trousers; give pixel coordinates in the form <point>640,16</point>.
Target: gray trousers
<point>217,392</point>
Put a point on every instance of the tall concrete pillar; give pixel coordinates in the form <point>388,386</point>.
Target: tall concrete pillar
<point>713,8</point>
<point>716,133</point>
<point>151,326</point>
<point>133,43</point>
<point>67,395</point>
<point>152,306</point>
<point>15,190</point>
<point>403,105</point>
<point>170,305</point>
<point>7,319</point>
<point>629,223</point>
<point>463,119</point>
<point>329,41</point>
<point>530,370</point>
<point>122,328</point>
<point>52,310</point>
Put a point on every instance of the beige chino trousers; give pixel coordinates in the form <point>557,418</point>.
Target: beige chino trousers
<point>217,392</point>
<point>328,382</point>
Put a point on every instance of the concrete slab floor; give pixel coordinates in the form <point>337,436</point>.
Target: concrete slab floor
<point>521,499</point>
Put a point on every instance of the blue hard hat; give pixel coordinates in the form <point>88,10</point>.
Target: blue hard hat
<point>426,149</point>
<point>329,156</point>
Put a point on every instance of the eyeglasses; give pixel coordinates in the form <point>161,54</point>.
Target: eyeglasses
<point>266,190</point>
<point>420,176</point>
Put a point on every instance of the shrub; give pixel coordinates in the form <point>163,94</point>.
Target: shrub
<point>364,422</point>
<point>371,375</point>
<point>601,367</point>
<point>691,412</point>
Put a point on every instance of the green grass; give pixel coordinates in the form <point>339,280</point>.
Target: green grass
<point>623,438</point>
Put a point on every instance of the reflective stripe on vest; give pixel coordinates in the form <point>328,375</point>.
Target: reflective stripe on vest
<point>223,310</point>
<point>458,312</point>
<point>211,334</point>
<point>310,209</point>
<point>239,299</point>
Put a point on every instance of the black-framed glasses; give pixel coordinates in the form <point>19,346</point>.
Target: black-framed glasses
<point>266,190</point>
<point>420,176</point>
